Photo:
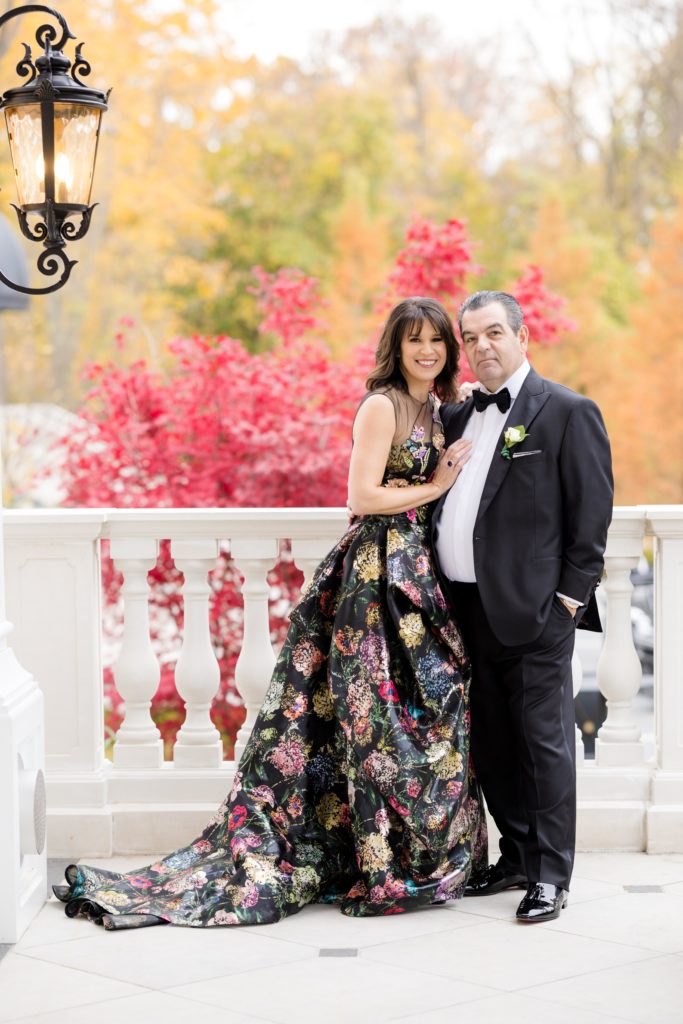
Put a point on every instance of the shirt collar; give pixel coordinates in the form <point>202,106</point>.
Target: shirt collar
<point>513,383</point>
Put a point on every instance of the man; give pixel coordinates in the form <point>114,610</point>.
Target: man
<point>519,541</point>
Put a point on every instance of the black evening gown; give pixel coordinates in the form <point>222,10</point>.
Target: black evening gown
<point>356,786</point>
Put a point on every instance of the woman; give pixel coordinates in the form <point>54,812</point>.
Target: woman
<point>355,787</point>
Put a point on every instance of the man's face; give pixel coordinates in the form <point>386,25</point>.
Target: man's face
<point>492,348</point>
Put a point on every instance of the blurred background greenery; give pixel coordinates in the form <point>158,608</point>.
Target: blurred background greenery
<point>560,147</point>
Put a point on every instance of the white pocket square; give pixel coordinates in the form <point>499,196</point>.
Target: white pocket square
<point>520,455</point>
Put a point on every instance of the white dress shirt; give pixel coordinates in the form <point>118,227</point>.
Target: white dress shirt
<point>454,546</point>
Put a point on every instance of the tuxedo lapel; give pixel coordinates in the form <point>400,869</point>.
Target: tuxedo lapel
<point>529,403</point>
<point>458,421</point>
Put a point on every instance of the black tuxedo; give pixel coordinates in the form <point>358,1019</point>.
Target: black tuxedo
<point>541,527</point>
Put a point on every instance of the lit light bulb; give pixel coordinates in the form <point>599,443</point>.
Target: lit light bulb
<point>64,176</point>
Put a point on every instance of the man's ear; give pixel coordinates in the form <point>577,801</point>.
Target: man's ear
<point>523,337</point>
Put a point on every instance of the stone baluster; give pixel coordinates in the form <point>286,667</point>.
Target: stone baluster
<point>254,558</point>
<point>577,683</point>
<point>308,554</point>
<point>665,813</point>
<point>619,673</point>
<point>197,674</point>
<point>138,743</point>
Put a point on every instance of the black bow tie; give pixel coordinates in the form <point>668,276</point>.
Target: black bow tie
<point>482,401</point>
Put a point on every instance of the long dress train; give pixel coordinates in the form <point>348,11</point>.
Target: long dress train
<point>356,785</point>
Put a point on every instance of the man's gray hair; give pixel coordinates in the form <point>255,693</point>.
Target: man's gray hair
<point>513,310</point>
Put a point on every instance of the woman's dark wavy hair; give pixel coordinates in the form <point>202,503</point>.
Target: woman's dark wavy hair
<point>407,317</point>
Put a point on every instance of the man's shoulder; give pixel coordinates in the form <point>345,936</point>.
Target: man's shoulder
<point>454,413</point>
<point>564,395</point>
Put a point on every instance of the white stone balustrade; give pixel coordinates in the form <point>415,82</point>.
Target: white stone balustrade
<point>136,670</point>
<point>254,559</point>
<point>139,803</point>
<point>197,675</point>
<point>665,811</point>
<point>619,672</point>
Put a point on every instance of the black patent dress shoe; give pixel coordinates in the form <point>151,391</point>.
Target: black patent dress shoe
<point>543,902</point>
<point>494,879</point>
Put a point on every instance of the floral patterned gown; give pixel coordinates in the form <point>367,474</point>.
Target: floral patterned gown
<point>356,786</point>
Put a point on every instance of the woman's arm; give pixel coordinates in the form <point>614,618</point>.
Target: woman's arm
<point>373,432</point>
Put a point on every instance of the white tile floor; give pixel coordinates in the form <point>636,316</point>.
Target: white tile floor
<point>613,956</point>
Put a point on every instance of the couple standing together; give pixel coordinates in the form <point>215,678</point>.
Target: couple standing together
<point>430,656</point>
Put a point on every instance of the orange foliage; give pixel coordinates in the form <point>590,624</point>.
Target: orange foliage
<point>633,370</point>
<point>653,404</point>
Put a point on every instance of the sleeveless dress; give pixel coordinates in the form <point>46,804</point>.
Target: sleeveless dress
<point>356,785</point>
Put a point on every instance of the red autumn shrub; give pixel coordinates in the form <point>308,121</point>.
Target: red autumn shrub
<point>227,427</point>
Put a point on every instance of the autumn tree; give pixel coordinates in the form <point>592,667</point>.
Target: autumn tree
<point>148,241</point>
<point>650,441</point>
<point>225,426</point>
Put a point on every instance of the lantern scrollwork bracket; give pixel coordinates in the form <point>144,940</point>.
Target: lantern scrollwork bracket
<point>53,123</point>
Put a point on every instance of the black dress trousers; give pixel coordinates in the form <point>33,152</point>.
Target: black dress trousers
<point>523,737</point>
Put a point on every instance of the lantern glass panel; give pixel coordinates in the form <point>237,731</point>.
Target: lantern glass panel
<point>26,148</point>
<point>76,131</point>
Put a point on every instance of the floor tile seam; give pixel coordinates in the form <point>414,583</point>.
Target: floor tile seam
<point>246,932</point>
<point>356,944</point>
<point>490,919</point>
<point>515,992</point>
<point>245,970</point>
<point>610,881</point>
<point>496,990</point>
<point>531,989</point>
<point>414,938</point>
<point>580,974</point>
<point>197,1002</point>
<point>493,994</point>
<point>586,1009</point>
<point>92,974</point>
<point>612,942</point>
<point>252,932</point>
<point>414,974</point>
<point>197,981</point>
<point>77,1006</point>
<point>52,942</point>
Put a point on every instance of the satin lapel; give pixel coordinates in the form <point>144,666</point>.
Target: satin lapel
<point>458,421</point>
<point>530,401</point>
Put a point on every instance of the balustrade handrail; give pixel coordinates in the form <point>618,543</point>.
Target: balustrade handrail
<point>54,589</point>
<point>272,523</point>
<point>270,519</point>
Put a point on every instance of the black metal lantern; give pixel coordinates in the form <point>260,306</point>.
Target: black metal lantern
<point>53,124</point>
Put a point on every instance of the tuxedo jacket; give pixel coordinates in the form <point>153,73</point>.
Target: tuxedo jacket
<point>543,517</point>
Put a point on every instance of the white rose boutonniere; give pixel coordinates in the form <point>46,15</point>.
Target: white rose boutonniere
<point>512,436</point>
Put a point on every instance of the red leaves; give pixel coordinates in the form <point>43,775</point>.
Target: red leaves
<point>227,427</point>
<point>286,300</point>
<point>435,263</point>
<point>541,308</point>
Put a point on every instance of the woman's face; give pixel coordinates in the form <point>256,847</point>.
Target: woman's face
<point>423,355</point>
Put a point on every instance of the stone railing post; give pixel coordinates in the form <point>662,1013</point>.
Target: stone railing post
<point>136,671</point>
<point>254,558</point>
<point>665,813</point>
<point>197,674</point>
<point>619,672</point>
<point>308,554</point>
